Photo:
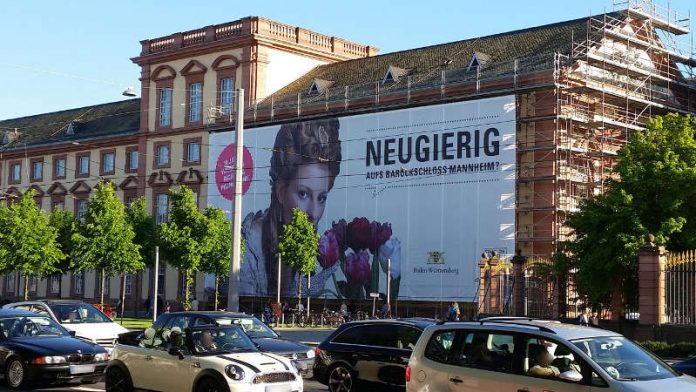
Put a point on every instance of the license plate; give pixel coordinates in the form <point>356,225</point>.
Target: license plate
<point>278,388</point>
<point>81,369</point>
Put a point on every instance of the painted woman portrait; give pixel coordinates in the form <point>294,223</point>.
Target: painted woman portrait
<point>305,162</point>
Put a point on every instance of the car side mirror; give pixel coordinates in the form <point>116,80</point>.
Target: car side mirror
<point>176,351</point>
<point>571,375</point>
<point>72,333</point>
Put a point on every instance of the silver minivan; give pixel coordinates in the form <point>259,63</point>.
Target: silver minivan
<point>513,355</point>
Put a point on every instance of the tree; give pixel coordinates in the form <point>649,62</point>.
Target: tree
<point>298,246</point>
<point>217,258</point>
<point>104,242</point>
<point>66,225</point>
<point>29,241</point>
<point>146,232</point>
<point>184,236</point>
<point>654,193</point>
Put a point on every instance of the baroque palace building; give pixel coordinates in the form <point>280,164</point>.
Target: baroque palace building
<point>581,88</point>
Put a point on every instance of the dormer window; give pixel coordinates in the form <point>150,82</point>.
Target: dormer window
<point>393,74</point>
<point>319,86</point>
<point>71,128</point>
<point>478,60</point>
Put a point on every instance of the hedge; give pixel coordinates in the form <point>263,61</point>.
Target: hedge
<point>667,350</point>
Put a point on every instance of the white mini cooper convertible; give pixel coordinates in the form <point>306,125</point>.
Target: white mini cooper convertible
<point>201,358</point>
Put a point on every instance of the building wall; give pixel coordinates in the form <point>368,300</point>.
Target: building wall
<point>283,67</point>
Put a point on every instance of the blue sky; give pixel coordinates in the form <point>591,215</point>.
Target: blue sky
<point>66,54</point>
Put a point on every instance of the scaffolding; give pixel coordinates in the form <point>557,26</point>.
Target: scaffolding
<point>634,63</point>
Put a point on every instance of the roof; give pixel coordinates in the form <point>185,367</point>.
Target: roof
<point>546,327</point>
<point>417,322</point>
<point>213,314</point>
<point>427,63</point>
<point>18,312</point>
<point>108,119</point>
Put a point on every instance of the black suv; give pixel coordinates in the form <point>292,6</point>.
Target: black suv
<point>370,353</point>
<point>262,335</point>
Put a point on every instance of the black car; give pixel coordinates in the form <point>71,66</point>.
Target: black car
<point>687,366</point>
<point>265,338</point>
<point>368,354</point>
<point>34,349</point>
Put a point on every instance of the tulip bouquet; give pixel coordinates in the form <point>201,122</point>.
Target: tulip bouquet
<point>361,249</point>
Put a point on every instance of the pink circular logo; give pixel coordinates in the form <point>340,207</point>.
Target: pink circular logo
<point>224,171</point>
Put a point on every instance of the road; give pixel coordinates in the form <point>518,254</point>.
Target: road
<point>311,336</point>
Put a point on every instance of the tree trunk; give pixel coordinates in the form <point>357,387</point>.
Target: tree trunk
<point>186,288</point>
<point>299,292</point>
<point>26,287</point>
<point>102,289</point>
<point>123,295</point>
<point>216,291</point>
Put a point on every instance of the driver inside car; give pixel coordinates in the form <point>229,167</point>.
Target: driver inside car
<point>543,367</point>
<point>205,342</point>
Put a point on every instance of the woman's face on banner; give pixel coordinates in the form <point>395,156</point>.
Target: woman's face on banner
<point>307,191</point>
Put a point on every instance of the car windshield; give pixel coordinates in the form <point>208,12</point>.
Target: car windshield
<point>30,326</point>
<point>251,325</point>
<point>78,313</point>
<point>624,360</point>
<point>220,340</point>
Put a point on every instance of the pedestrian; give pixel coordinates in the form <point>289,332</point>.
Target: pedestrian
<point>195,304</point>
<point>453,312</point>
<point>386,310</point>
<point>584,319</point>
<point>160,304</point>
<point>148,306</point>
<point>594,319</point>
<point>167,307</point>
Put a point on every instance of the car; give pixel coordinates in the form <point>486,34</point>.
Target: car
<point>368,354</point>
<point>84,319</point>
<point>687,366</point>
<point>265,338</point>
<point>198,358</point>
<point>535,355</point>
<point>35,350</point>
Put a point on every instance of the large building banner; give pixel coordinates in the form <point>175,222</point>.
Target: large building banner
<point>418,192</point>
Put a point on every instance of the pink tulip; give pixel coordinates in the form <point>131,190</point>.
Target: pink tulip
<point>358,267</point>
<point>328,249</point>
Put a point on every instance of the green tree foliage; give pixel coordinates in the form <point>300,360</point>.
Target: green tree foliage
<point>29,241</point>
<point>184,236</point>
<point>66,225</point>
<point>216,260</point>
<point>655,194</point>
<point>298,245</point>
<point>104,242</point>
<point>145,229</point>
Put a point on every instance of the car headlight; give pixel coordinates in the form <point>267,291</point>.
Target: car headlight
<point>234,372</point>
<point>101,357</point>
<point>310,354</point>
<point>49,360</point>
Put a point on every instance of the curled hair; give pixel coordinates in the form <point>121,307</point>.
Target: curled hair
<point>295,145</point>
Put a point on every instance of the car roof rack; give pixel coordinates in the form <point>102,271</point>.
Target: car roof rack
<point>506,321</point>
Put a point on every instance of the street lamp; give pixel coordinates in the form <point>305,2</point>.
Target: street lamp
<point>236,227</point>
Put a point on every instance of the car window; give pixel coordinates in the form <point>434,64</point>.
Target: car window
<point>439,347</point>
<point>624,360</point>
<point>487,350</point>
<point>348,336</point>
<point>253,327</point>
<point>179,321</point>
<point>78,313</point>
<point>24,327</point>
<point>549,359</point>
<point>39,309</point>
<point>201,321</point>
<point>23,307</point>
<point>378,335</point>
<point>407,337</point>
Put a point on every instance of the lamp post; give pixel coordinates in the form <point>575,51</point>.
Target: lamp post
<point>236,227</point>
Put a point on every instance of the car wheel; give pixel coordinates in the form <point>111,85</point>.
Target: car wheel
<point>16,373</point>
<point>341,379</point>
<point>117,380</point>
<point>209,384</point>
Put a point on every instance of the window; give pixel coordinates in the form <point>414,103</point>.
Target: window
<point>78,282</point>
<point>107,285</point>
<point>193,152</point>
<point>80,208</point>
<point>161,276</point>
<point>165,107</point>
<point>195,102</point>
<point>195,197</point>
<point>55,284</point>
<point>163,155</point>
<point>10,280</point>
<point>484,350</point>
<point>108,162</point>
<point>37,170</point>
<point>226,95</point>
<point>132,158</point>
<point>59,168</point>
<point>16,173</point>
<point>370,335</point>
<point>83,165</point>
<point>57,205</point>
<point>407,337</point>
<point>162,212</point>
<point>129,284</point>
<point>32,283</point>
<point>439,347</point>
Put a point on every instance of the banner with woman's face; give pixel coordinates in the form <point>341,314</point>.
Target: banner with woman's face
<point>415,193</point>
